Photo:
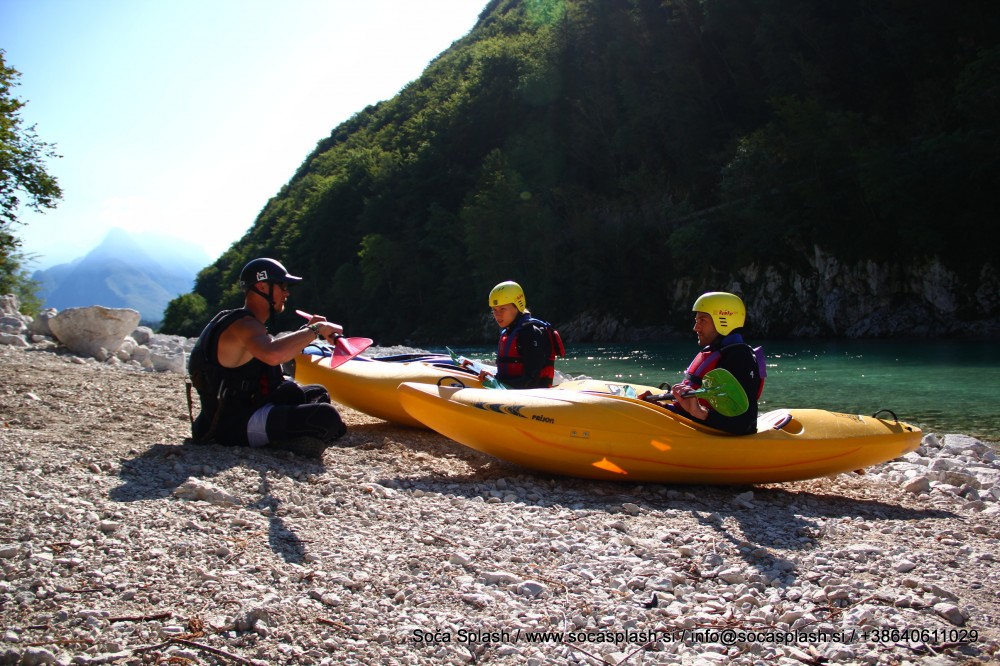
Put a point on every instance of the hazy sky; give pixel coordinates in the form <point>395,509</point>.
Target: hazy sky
<point>186,116</point>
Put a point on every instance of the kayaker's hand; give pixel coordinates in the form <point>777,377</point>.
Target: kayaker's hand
<point>689,403</point>
<point>325,329</point>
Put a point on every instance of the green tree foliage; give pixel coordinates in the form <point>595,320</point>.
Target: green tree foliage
<point>22,174</point>
<point>15,278</point>
<point>186,315</point>
<point>599,150</point>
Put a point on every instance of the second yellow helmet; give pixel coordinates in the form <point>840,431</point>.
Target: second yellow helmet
<point>508,292</point>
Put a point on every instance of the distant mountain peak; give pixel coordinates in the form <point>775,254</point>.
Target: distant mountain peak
<point>143,271</point>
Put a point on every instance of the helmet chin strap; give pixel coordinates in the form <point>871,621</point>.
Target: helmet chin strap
<point>269,297</point>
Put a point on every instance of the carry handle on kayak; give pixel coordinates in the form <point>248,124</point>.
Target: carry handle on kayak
<point>719,388</point>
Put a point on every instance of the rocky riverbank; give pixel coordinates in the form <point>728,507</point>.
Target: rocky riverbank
<point>122,544</point>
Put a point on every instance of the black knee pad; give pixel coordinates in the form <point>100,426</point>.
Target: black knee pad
<point>289,393</point>
<point>313,420</point>
<point>324,417</point>
<point>316,393</point>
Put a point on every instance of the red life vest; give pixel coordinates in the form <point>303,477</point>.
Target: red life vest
<point>708,359</point>
<point>509,363</point>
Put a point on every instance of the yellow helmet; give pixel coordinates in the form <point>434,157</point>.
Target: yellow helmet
<point>727,310</point>
<point>508,292</point>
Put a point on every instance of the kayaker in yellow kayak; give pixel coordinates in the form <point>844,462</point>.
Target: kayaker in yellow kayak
<point>528,346</point>
<point>718,322</point>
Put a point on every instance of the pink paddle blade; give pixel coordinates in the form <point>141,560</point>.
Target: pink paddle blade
<point>347,348</point>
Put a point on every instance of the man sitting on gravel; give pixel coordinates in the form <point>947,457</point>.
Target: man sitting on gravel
<point>236,368</point>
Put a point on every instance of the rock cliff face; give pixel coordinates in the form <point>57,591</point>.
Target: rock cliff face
<point>827,297</point>
<point>872,300</point>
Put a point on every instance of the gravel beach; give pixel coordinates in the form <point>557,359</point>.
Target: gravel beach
<point>122,544</point>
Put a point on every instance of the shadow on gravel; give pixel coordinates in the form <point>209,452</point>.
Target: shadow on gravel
<point>158,471</point>
<point>783,520</point>
<point>774,520</point>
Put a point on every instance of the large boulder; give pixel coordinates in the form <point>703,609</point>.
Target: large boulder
<point>94,331</point>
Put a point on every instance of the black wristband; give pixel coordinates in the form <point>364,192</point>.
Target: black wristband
<point>315,330</point>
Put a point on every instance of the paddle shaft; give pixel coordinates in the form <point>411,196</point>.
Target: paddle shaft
<point>660,397</point>
<point>720,389</point>
<point>344,348</point>
<point>306,315</point>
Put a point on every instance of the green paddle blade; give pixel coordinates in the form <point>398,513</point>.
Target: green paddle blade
<point>490,382</point>
<point>723,392</point>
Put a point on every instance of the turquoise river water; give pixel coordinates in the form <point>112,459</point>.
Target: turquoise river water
<point>940,386</point>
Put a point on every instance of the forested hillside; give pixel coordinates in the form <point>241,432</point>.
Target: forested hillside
<point>618,157</point>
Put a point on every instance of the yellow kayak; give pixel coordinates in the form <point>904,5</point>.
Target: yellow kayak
<point>601,435</point>
<point>369,384</point>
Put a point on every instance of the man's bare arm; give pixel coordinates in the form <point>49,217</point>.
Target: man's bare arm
<point>248,338</point>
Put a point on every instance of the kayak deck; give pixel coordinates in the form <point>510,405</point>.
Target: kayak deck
<point>369,385</point>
